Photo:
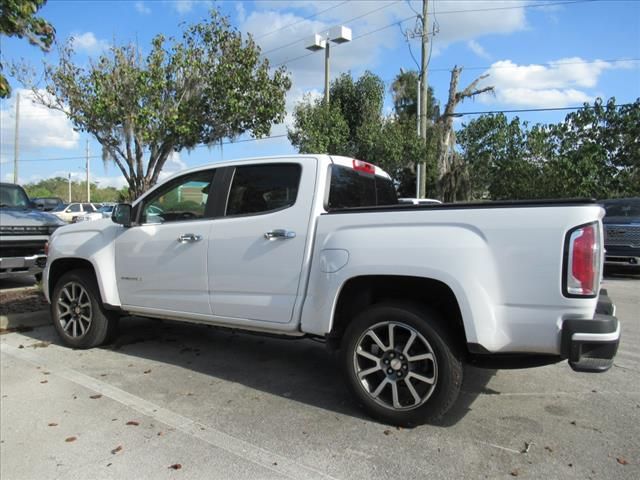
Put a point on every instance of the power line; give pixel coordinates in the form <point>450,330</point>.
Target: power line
<point>55,159</point>
<point>301,20</point>
<point>399,22</point>
<point>345,21</point>
<point>549,109</point>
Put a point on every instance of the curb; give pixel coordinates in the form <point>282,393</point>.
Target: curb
<point>22,320</point>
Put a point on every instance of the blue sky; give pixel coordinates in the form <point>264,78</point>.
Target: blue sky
<point>538,54</point>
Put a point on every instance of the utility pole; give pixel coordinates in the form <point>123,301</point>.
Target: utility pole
<point>69,178</point>
<point>424,98</point>
<point>418,182</point>
<point>88,174</point>
<point>16,140</point>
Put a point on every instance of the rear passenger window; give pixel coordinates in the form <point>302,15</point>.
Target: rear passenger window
<point>263,188</point>
<point>350,188</point>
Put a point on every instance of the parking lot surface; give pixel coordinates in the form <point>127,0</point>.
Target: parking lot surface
<point>171,400</point>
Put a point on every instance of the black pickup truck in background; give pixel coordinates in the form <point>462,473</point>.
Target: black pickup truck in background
<point>622,233</point>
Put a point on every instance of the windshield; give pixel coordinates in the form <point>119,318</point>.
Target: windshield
<point>107,209</point>
<point>13,196</point>
<point>623,208</point>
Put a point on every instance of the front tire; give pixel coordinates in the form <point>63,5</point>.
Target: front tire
<point>77,311</point>
<point>401,365</point>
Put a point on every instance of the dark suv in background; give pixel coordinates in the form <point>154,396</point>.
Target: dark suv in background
<point>622,233</point>
<point>24,230</point>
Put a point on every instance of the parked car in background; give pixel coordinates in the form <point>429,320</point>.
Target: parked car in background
<point>622,233</point>
<point>104,211</point>
<point>48,204</point>
<point>24,230</point>
<point>69,213</point>
<point>419,201</point>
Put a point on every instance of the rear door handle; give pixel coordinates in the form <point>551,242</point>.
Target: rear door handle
<point>189,237</point>
<point>279,233</point>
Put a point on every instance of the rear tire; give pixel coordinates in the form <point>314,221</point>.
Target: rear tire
<point>77,311</point>
<point>401,365</point>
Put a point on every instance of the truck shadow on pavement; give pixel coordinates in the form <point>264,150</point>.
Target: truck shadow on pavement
<point>299,370</point>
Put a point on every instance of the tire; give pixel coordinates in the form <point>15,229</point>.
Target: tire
<point>422,356</point>
<point>77,311</point>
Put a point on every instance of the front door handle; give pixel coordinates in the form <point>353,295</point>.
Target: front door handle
<point>279,233</point>
<point>189,237</point>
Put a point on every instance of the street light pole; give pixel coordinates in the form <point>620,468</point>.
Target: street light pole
<point>340,34</point>
<point>326,73</point>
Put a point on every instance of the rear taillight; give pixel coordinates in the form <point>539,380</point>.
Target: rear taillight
<point>582,261</point>
<point>362,166</point>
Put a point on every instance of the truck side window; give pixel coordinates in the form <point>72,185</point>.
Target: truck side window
<point>74,207</point>
<point>263,188</point>
<point>183,199</point>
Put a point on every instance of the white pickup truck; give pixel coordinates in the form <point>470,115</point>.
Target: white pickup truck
<point>318,246</point>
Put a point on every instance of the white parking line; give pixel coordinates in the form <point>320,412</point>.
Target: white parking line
<point>245,450</point>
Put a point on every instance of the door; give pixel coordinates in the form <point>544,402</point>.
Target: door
<point>257,248</point>
<point>161,261</point>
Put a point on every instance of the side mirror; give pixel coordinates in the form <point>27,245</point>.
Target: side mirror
<point>122,214</point>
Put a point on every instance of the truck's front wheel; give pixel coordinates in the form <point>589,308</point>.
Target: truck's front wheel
<point>401,365</point>
<point>77,311</point>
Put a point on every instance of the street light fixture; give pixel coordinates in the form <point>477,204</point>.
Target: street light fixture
<point>338,35</point>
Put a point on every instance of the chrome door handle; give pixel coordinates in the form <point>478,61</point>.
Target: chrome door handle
<point>279,233</point>
<point>189,237</point>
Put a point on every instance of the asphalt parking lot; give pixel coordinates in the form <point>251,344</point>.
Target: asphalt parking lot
<point>171,400</point>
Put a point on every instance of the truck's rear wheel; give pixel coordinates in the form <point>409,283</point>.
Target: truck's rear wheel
<point>77,311</point>
<point>401,365</point>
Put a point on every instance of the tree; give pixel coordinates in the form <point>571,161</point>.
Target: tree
<point>404,93</point>
<point>209,85</point>
<point>353,125</point>
<point>448,163</point>
<point>594,152</point>
<point>17,19</point>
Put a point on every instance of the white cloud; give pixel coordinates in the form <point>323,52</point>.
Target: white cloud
<point>478,49</point>
<point>183,6</point>
<point>88,43</point>
<point>292,30</point>
<point>559,83</point>
<point>39,127</point>
<point>142,8</point>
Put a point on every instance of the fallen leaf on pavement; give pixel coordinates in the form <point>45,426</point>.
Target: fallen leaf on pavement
<point>622,461</point>
<point>52,424</point>
<point>175,466</point>
<point>116,450</point>
<point>95,397</point>
<point>548,449</point>
<point>44,381</point>
<point>387,432</point>
<point>147,371</point>
<point>515,472</point>
<point>133,422</point>
<point>40,344</point>
<point>70,439</point>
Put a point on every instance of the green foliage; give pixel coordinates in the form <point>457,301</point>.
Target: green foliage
<point>595,152</point>
<point>17,19</point>
<point>404,92</point>
<point>208,85</point>
<point>59,187</point>
<point>319,129</point>
<point>353,125</point>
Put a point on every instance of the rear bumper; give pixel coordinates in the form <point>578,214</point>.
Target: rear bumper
<point>591,345</point>
<point>14,266</point>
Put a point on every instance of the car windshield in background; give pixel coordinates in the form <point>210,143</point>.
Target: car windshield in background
<point>350,188</point>
<point>106,209</point>
<point>623,208</point>
<point>13,196</point>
